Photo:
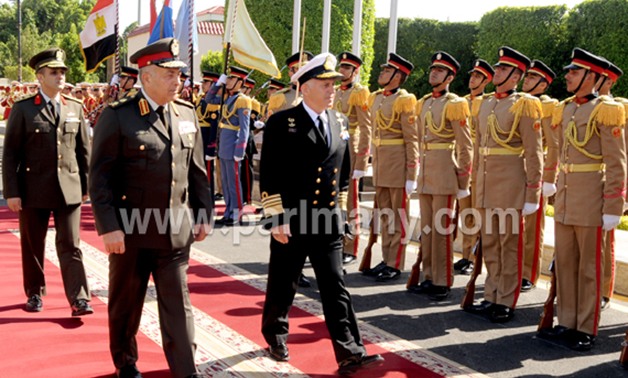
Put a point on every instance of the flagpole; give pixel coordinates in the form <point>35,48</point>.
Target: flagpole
<point>357,26</point>
<point>326,26</point>
<point>191,42</point>
<point>116,68</point>
<point>392,27</point>
<point>296,25</point>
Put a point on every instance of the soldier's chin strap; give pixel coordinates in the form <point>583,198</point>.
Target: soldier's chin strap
<point>233,86</point>
<point>479,85</point>
<point>442,81</point>
<point>601,84</point>
<point>391,77</point>
<point>536,85</point>
<point>581,81</point>
<point>512,69</point>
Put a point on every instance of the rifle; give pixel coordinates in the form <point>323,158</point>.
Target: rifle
<point>623,357</point>
<point>547,318</point>
<point>413,280</point>
<point>469,293</point>
<point>365,264</point>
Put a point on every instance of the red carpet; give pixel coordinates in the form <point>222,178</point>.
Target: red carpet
<point>53,344</point>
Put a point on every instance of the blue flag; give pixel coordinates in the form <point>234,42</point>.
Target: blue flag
<point>182,32</point>
<point>164,27</point>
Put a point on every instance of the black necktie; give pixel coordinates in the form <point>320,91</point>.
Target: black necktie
<point>162,116</point>
<point>321,128</point>
<point>53,111</point>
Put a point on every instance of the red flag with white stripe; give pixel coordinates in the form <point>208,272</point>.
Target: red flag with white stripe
<point>98,39</point>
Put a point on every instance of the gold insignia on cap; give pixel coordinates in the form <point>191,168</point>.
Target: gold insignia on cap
<point>439,56</point>
<point>174,47</point>
<point>501,52</point>
<point>59,55</point>
<point>344,56</point>
<point>329,65</point>
<point>532,65</point>
<point>477,64</point>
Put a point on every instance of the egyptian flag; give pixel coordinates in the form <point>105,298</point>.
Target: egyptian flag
<point>98,39</point>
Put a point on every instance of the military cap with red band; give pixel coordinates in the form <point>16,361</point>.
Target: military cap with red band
<point>613,72</point>
<point>276,84</point>
<point>210,76</point>
<point>513,58</point>
<point>163,53</point>
<point>582,59</point>
<point>238,72</point>
<point>126,71</point>
<point>294,59</point>
<point>541,69</point>
<point>349,59</point>
<point>249,83</point>
<point>399,63</point>
<point>483,67</point>
<point>445,60</point>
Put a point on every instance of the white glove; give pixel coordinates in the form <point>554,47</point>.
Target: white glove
<point>529,208</point>
<point>259,124</point>
<point>463,193</point>
<point>115,80</point>
<point>208,158</point>
<point>187,82</point>
<point>548,189</point>
<point>357,174</point>
<point>222,80</point>
<point>238,158</point>
<point>410,186</point>
<point>609,222</point>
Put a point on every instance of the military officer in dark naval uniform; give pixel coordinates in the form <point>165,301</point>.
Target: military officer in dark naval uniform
<point>148,161</point>
<point>44,166</point>
<point>305,213</point>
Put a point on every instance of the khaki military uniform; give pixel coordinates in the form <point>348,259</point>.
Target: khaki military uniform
<point>353,102</point>
<point>395,160</point>
<point>535,223</point>
<point>592,172</point>
<point>442,123</point>
<point>508,174</point>
<point>282,100</point>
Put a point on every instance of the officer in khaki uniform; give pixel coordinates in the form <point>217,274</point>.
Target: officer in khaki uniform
<point>208,115</point>
<point>589,200</point>
<point>395,163</point>
<point>479,77</point>
<point>289,97</point>
<point>352,101</point>
<point>610,77</point>
<point>148,160</point>
<point>536,82</point>
<point>508,182</point>
<point>446,156</point>
<point>44,170</point>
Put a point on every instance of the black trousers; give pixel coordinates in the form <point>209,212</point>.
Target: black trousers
<point>286,263</point>
<point>128,280</point>
<point>33,229</point>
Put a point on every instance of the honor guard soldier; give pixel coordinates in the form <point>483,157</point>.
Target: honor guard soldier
<point>610,77</point>
<point>208,115</point>
<point>446,155</point>
<point>304,178</point>
<point>289,97</point>
<point>273,87</point>
<point>395,163</point>
<point>128,79</point>
<point>44,170</point>
<point>352,101</point>
<point>589,200</point>
<point>508,182</point>
<point>148,160</point>
<point>233,135</point>
<point>479,77</point>
<point>536,82</point>
<point>246,166</point>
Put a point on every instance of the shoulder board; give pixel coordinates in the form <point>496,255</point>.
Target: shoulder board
<point>610,113</point>
<point>74,99</point>
<point>547,105</point>
<point>242,101</point>
<point>527,106</point>
<point>184,103</point>
<point>457,108</point>
<point>405,102</point>
<point>276,101</point>
<point>123,100</point>
<point>359,96</point>
<point>557,114</point>
<point>26,97</point>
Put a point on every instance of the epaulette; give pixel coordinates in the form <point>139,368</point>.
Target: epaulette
<point>527,106</point>
<point>475,105</point>
<point>242,102</point>
<point>122,101</point>
<point>74,99</point>
<point>405,102</point>
<point>372,97</point>
<point>255,105</point>
<point>184,103</point>
<point>418,108</point>
<point>26,97</point>
<point>610,113</point>
<point>276,101</point>
<point>624,101</point>
<point>457,108</point>
<point>547,105</point>
<point>359,96</point>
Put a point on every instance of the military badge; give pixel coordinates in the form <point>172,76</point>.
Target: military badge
<point>616,132</point>
<point>213,116</point>
<point>38,99</point>
<point>291,122</point>
<point>463,122</point>
<point>59,55</point>
<point>537,125</point>
<point>344,134</point>
<point>412,119</point>
<point>174,47</point>
<point>245,112</point>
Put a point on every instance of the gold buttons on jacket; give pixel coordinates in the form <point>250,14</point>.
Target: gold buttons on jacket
<point>335,170</point>
<point>123,197</point>
<point>314,202</point>
<point>333,182</point>
<point>28,169</point>
<point>332,203</point>
<point>320,169</point>
<point>60,156</point>
<point>142,147</point>
<point>36,130</point>
<point>318,180</point>
<point>173,182</point>
<point>333,193</point>
<point>317,192</point>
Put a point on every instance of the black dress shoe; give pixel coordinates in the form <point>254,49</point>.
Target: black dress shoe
<point>438,293</point>
<point>373,272</point>
<point>218,196</point>
<point>81,307</point>
<point>580,341</point>
<point>304,281</point>
<point>526,285</point>
<point>129,371</point>
<point>483,308</point>
<point>388,274</point>
<point>348,258</point>
<point>606,303</point>
<point>463,266</point>
<point>556,333</point>
<point>352,364</point>
<point>279,352</point>
<point>226,221</point>
<point>501,314</point>
<point>34,304</point>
